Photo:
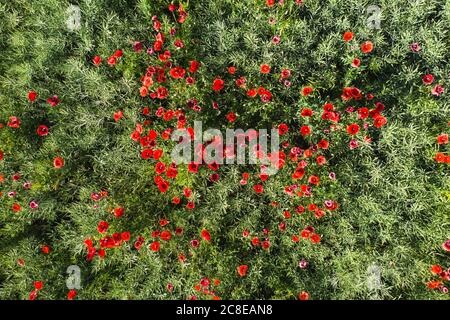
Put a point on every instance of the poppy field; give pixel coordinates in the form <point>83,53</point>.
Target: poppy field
<point>334,186</point>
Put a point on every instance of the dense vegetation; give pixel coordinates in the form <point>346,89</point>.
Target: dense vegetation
<point>85,169</point>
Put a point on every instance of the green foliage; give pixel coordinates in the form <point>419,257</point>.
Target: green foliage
<point>394,198</point>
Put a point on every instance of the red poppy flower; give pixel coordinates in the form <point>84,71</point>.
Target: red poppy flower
<point>146,153</point>
<point>168,115</point>
<point>265,244</point>
<point>314,180</point>
<point>300,209</point>
<point>118,212</point>
<point>205,235</point>
<point>446,245</point>
<point>213,166</point>
<point>33,295</point>
<point>166,235</point>
<point>125,236</point>
<point>194,65</point>
<point>285,73</point>
<point>307,153</point>
<point>172,172</point>
<point>439,157</point>
<point>179,43</point>
<point>303,295</point>
<point>315,238</point>
<point>379,121</point>
<point>160,168</point>
<point>205,282</point>
<point>88,243</point>
<point>305,234</point>
<point>231,70</point>
<point>157,154</point>
<point>258,188</point>
<point>321,160</point>
<point>251,93</point>
<point>155,246</point>
<point>112,60</point>
<point>214,177</point>
<point>118,53</point>
<point>270,3</point>
<point>14,122</point>
<point>16,207</point>
<point>135,135</point>
<point>118,115</point>
<point>306,112</point>
<point>32,96</point>
<point>193,167</point>
<point>97,60</point>
<point>187,192</point>
<point>176,200</point>
<point>245,233</point>
<point>318,213</point>
<point>53,101</point>
<point>42,130</point>
<point>427,79</point>
<point>328,107</point>
<point>265,68</point>
<point>437,90</point>
<point>255,241</point>
<point>218,84</point>
<point>156,234</point>
<point>58,162</point>
<point>356,63</point>
<point>355,93</point>
<point>363,113</point>
<point>283,128</point>
<point>178,231</point>
<point>101,253</point>
<point>71,294</point>
<point>241,82</point>
<point>161,93</point>
<point>138,244</point>
<point>442,139</point>
<point>21,262</point>
<point>307,91</point>
<point>45,249</point>
<point>434,284</point>
<point>1,155</point>
<point>231,117</point>
<point>190,205</point>
<point>348,36</point>
<point>323,144</point>
<point>436,269</point>
<point>177,72</point>
<point>143,91</point>
<point>102,226</point>
<point>163,186</point>
<point>353,129</point>
<point>242,270</point>
<point>367,47</point>
<point>38,285</point>
<point>157,45</point>
<point>305,130</point>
